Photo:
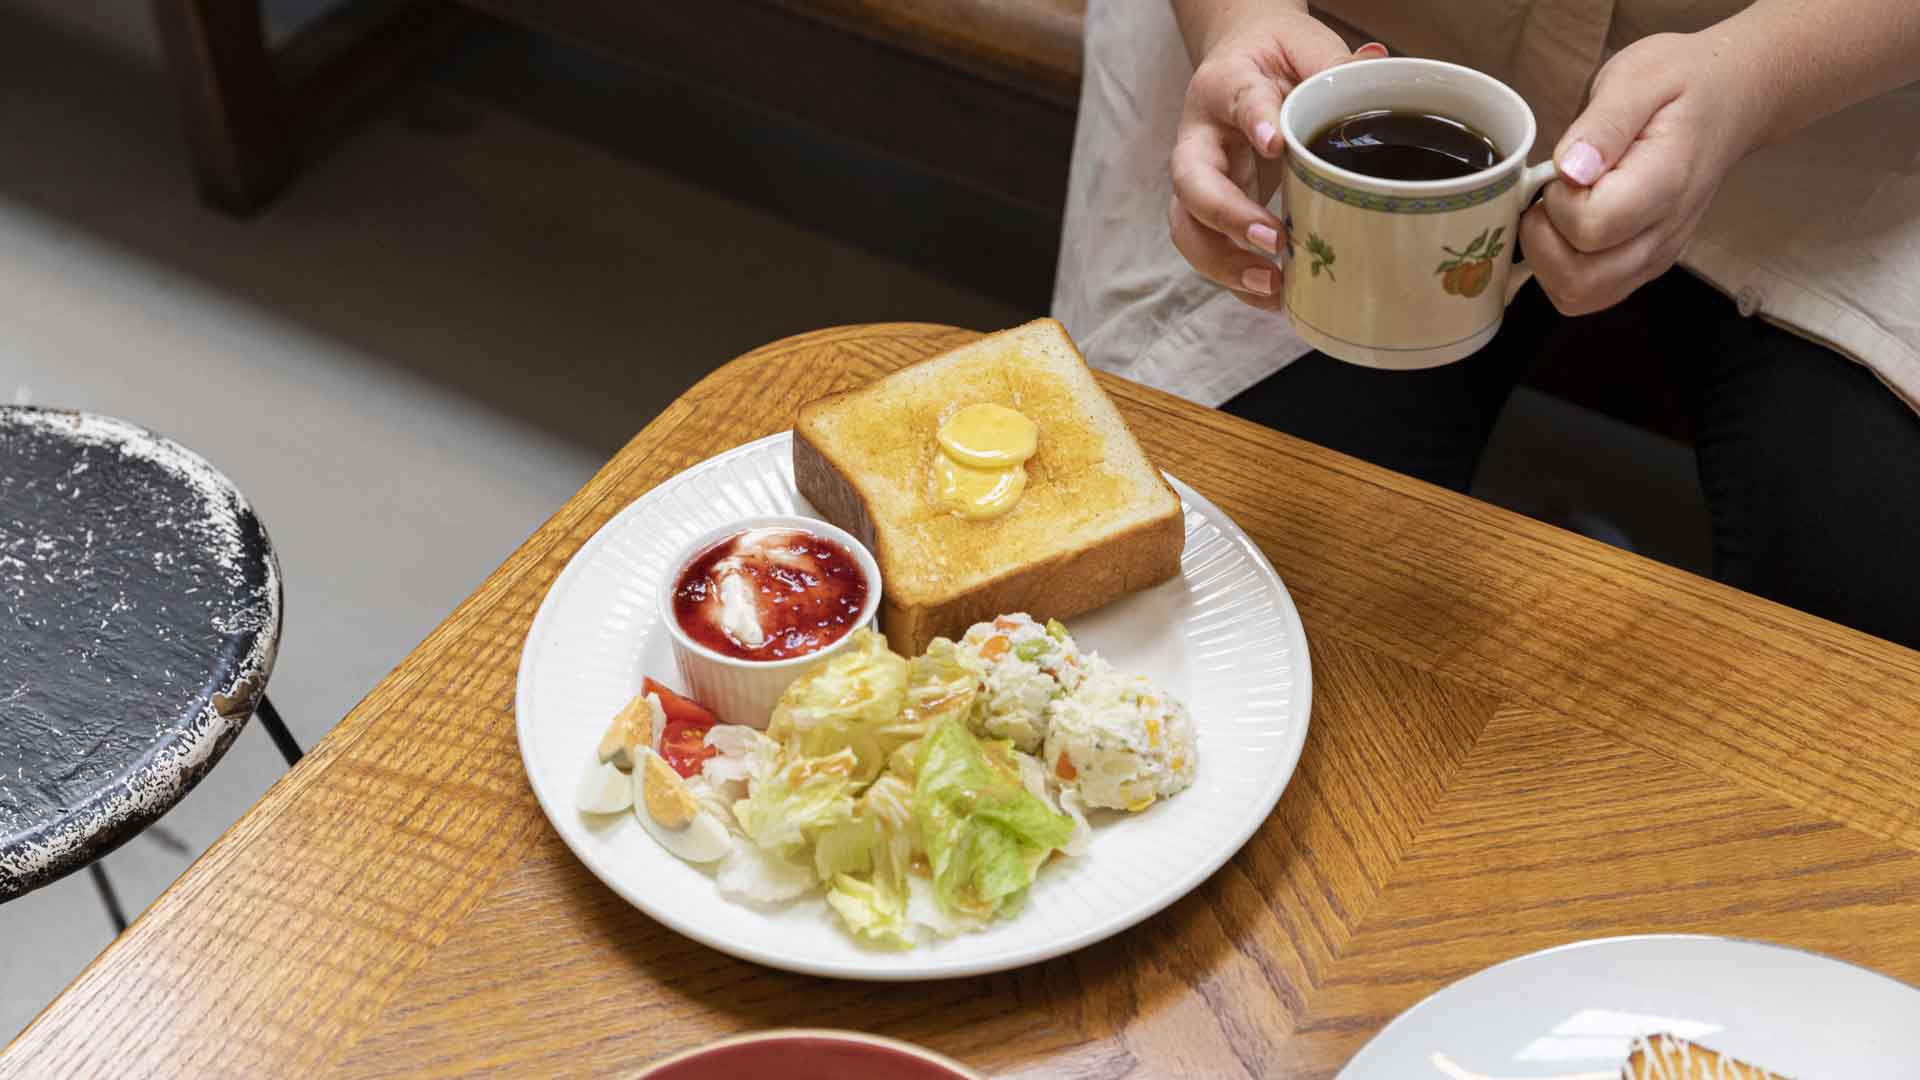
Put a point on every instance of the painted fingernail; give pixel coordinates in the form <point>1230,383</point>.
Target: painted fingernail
<point>1582,164</point>
<point>1258,281</point>
<point>1264,237</point>
<point>1263,134</point>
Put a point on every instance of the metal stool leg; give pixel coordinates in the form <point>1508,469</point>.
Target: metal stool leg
<point>107,895</point>
<point>269,718</point>
<point>168,839</point>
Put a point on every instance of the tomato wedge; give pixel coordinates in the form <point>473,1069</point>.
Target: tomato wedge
<point>683,742</point>
<point>682,710</point>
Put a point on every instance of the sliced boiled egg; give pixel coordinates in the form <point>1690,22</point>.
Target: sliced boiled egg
<point>673,815</point>
<point>603,789</point>
<point>636,726</point>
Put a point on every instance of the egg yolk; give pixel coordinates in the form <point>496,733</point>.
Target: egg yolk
<point>665,794</point>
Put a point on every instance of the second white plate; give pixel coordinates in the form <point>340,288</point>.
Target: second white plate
<point>1223,636</point>
<point>1571,1014</point>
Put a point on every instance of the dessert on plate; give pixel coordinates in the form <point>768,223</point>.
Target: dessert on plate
<point>1670,1057</point>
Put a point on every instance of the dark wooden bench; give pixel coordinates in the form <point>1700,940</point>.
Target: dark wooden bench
<point>981,92</point>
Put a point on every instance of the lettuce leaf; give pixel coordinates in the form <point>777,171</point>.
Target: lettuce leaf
<point>875,913</point>
<point>984,833</point>
<point>942,682</point>
<point>1042,785</point>
<point>853,700</point>
<point>904,758</point>
<point>925,909</point>
<point>742,753</point>
<point>868,860</point>
<point>801,798</point>
<point>761,877</point>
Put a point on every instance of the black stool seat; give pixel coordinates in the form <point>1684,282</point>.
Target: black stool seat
<point>139,617</point>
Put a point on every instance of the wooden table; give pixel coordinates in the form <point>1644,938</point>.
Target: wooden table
<point>1520,738</point>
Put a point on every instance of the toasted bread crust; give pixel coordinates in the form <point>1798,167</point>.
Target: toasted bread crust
<point>1060,586</point>
<point>831,492</point>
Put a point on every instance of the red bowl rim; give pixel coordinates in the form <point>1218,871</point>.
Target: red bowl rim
<point>828,1034</point>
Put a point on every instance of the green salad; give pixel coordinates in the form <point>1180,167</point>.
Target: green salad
<point>922,796</point>
<point>870,783</point>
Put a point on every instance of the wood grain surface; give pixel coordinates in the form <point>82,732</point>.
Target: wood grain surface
<point>1520,738</point>
<point>1036,43</point>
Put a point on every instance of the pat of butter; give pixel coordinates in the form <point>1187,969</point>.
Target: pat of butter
<point>989,437</point>
<point>981,464</point>
<point>979,493</point>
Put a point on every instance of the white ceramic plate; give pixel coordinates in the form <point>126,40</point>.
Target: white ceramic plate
<point>1573,1011</point>
<point>1224,637</point>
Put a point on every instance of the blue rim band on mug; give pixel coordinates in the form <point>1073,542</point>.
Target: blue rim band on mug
<point>1401,204</point>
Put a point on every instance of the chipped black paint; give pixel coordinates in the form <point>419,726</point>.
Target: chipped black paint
<point>139,615</point>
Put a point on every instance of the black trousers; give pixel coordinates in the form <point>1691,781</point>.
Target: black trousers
<point>1809,464</point>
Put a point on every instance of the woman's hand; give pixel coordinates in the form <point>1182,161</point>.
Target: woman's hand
<point>1669,115</point>
<point>1229,144</point>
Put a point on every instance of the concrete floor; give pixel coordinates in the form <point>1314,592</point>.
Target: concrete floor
<point>407,364</point>
<point>421,351</point>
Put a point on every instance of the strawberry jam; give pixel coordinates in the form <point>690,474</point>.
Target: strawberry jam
<point>770,594</point>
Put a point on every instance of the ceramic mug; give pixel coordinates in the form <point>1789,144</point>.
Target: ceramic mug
<point>1403,274</point>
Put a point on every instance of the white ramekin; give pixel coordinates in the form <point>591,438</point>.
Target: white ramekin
<point>745,691</point>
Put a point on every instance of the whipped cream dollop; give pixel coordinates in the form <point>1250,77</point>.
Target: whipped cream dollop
<point>739,606</point>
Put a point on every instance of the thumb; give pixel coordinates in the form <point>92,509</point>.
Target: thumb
<point>1314,52</point>
<point>1599,137</point>
<point>1308,54</point>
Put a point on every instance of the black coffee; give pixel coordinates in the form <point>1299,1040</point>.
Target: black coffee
<point>1395,145</point>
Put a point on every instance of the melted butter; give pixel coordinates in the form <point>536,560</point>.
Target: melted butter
<point>981,466</point>
<point>979,493</point>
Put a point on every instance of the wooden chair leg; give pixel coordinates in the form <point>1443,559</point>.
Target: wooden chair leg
<point>233,104</point>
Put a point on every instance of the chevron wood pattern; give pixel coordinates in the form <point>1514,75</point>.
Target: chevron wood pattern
<point>1520,738</point>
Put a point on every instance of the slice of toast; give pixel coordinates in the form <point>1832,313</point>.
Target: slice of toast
<point>1669,1057</point>
<point>1095,522</point>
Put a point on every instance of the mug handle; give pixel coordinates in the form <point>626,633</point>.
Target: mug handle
<point>1531,182</point>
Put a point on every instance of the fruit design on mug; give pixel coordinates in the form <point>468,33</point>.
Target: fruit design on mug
<point>1468,272</point>
<point>1322,256</point>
